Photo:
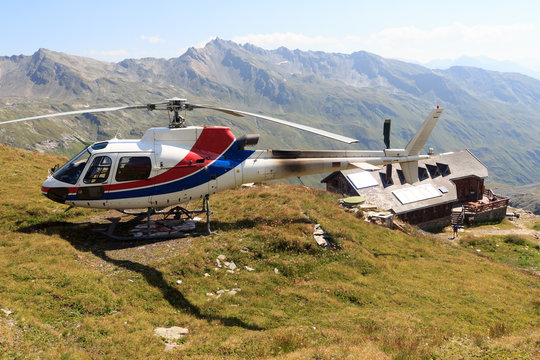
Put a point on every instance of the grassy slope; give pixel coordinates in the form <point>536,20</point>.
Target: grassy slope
<point>382,295</point>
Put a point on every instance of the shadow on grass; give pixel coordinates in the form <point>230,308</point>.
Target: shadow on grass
<point>82,238</point>
<point>252,223</point>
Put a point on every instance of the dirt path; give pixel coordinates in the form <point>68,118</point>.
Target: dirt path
<point>522,227</point>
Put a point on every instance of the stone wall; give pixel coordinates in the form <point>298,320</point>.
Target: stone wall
<point>435,224</point>
<point>486,216</point>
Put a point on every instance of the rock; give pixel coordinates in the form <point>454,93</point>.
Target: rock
<point>172,333</point>
<point>320,237</point>
<point>321,241</point>
<point>178,282</point>
<point>206,274</point>
<point>249,268</point>
<point>222,257</point>
<point>7,311</point>
<point>171,336</point>
<point>230,271</point>
<point>232,292</point>
<point>276,271</point>
<point>232,265</point>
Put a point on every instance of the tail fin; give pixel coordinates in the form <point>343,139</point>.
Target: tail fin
<point>410,171</point>
<point>410,168</point>
<point>419,140</point>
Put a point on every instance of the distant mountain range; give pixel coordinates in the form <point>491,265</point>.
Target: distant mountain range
<point>524,197</point>
<point>493,114</point>
<point>483,62</point>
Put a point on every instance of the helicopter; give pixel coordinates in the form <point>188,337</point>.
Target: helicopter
<point>173,165</point>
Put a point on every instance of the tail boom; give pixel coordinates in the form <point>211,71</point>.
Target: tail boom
<point>270,168</point>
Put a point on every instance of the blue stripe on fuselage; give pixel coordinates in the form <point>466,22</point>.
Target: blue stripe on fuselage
<point>225,163</point>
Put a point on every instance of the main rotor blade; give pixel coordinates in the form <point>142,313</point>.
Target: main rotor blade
<point>310,129</point>
<point>226,111</point>
<point>76,112</point>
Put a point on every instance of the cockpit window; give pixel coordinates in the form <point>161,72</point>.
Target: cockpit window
<point>98,171</point>
<point>133,168</point>
<point>70,172</point>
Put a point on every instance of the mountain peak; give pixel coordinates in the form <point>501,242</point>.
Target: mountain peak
<point>220,43</point>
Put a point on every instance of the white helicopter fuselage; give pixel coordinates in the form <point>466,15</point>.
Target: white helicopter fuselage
<point>170,166</point>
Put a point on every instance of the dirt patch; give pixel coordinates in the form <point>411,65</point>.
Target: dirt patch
<point>142,251</point>
<point>521,227</point>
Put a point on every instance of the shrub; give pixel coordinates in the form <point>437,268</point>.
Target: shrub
<point>515,239</point>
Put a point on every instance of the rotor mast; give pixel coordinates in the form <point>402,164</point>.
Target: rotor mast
<point>174,105</point>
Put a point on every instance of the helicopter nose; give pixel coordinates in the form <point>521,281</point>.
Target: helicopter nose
<point>55,193</point>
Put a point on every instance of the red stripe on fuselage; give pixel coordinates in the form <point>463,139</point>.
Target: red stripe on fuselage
<point>212,142</point>
<point>71,190</point>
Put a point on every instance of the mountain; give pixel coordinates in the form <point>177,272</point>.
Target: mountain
<point>493,114</point>
<point>524,197</point>
<point>484,63</point>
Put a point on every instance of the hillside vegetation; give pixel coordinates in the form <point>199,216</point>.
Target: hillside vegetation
<point>69,293</point>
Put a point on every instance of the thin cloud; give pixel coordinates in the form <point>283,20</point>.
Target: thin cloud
<point>120,52</point>
<point>502,42</point>
<point>108,55</point>
<point>291,41</point>
<point>451,41</point>
<point>200,45</point>
<point>151,39</point>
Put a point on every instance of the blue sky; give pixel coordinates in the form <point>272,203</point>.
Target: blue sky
<point>412,30</point>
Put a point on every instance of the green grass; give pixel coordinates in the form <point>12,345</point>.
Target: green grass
<point>503,224</point>
<point>515,250</point>
<point>380,294</point>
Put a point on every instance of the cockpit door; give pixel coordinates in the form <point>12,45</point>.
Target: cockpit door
<point>131,183</point>
<point>94,183</point>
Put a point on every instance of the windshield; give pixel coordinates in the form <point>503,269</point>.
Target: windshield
<point>70,172</point>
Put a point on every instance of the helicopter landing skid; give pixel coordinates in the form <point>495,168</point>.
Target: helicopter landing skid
<point>177,213</point>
